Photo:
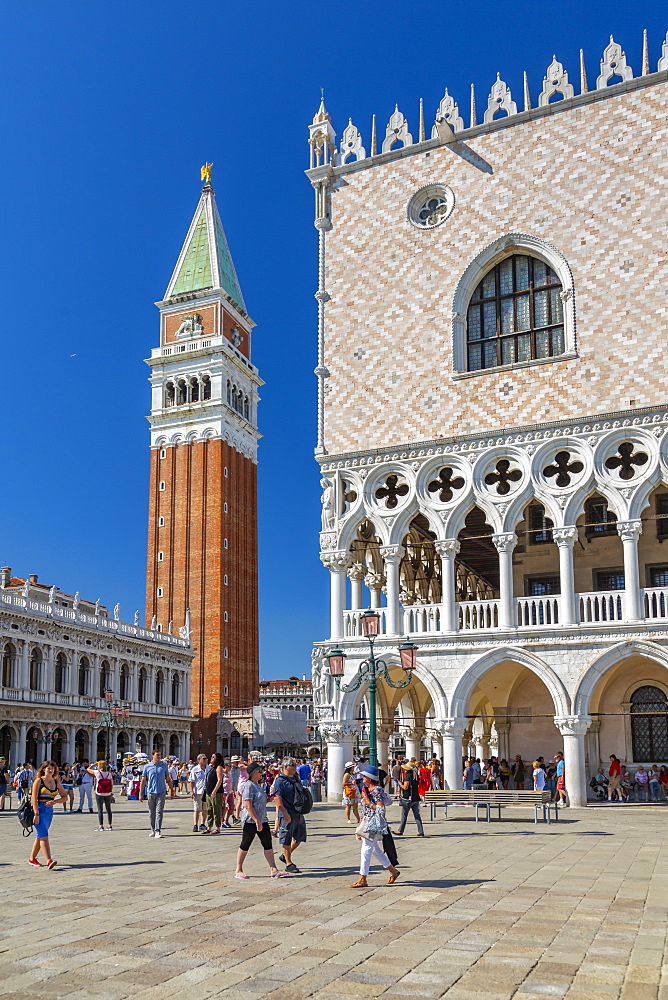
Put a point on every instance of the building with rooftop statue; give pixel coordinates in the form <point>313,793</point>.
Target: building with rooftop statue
<point>64,658</point>
<point>493,419</point>
<point>202,523</point>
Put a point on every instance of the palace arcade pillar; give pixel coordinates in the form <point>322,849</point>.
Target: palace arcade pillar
<point>340,737</point>
<point>453,731</point>
<point>573,729</point>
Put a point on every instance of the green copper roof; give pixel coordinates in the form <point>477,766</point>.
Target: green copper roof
<point>203,265</point>
<point>195,270</point>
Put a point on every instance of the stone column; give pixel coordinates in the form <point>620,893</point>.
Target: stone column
<point>452,731</point>
<point>113,745</point>
<point>412,736</point>
<point>49,679</point>
<point>503,732</point>
<point>71,744</point>
<point>383,734</point>
<point>375,582</point>
<point>392,555</point>
<point>448,549</point>
<point>339,737</point>
<point>336,562</point>
<point>505,544</point>
<point>565,538</point>
<point>594,746</point>
<point>629,532</point>
<point>573,729</point>
<point>24,668</point>
<point>357,572</point>
<point>23,748</point>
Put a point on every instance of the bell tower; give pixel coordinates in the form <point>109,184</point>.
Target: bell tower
<point>202,527</point>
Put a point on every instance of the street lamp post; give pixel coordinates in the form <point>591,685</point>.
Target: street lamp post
<point>372,669</point>
<point>114,716</point>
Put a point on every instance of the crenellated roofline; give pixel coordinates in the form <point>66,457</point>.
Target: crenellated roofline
<point>328,161</point>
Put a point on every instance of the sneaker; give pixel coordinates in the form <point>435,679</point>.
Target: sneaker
<point>35,863</point>
<point>52,863</point>
<point>100,829</point>
<point>109,829</point>
<point>90,810</point>
<point>195,828</point>
<point>292,870</point>
<point>158,835</point>
<point>151,834</point>
<point>78,810</point>
<point>202,827</point>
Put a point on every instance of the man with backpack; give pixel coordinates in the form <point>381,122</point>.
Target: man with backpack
<point>293,802</point>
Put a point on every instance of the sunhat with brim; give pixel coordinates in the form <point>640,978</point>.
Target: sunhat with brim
<point>406,766</point>
<point>235,760</point>
<point>350,763</point>
<point>252,768</point>
<point>371,772</point>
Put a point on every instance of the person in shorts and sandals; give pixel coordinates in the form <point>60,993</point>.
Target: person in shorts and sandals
<point>47,792</point>
<point>561,779</point>
<point>351,795</point>
<point>614,779</point>
<point>292,831</point>
<point>254,822</point>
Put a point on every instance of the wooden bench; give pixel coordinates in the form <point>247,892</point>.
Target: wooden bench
<point>488,800</point>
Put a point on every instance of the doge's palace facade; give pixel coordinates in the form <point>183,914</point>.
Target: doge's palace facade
<point>493,421</point>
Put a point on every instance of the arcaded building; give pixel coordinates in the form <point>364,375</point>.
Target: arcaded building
<point>202,533</point>
<point>493,418</point>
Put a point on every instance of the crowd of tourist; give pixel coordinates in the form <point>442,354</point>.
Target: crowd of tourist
<point>230,792</point>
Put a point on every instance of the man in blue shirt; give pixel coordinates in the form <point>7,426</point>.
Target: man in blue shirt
<point>304,772</point>
<point>155,780</point>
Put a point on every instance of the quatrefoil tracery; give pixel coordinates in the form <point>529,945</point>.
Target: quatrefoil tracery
<point>563,469</point>
<point>445,484</point>
<point>503,477</point>
<point>392,491</point>
<point>625,460</point>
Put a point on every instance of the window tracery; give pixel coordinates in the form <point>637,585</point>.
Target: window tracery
<point>515,314</point>
<point>649,724</point>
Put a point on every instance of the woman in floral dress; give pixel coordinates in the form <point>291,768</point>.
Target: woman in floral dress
<point>372,826</point>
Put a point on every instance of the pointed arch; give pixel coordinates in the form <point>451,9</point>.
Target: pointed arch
<point>601,663</point>
<point>467,683</point>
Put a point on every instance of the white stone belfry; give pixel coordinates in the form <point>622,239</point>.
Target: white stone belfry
<point>351,143</point>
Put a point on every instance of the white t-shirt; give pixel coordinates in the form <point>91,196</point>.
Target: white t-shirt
<point>198,777</point>
<point>538,779</point>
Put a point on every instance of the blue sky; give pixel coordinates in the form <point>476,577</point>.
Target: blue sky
<point>108,112</point>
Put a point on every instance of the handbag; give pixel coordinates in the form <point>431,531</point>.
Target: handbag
<point>362,831</point>
<point>375,824</point>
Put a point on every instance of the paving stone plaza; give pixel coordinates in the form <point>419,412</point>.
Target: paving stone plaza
<point>482,911</point>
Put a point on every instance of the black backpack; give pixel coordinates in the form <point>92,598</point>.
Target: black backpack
<point>26,815</point>
<point>303,798</point>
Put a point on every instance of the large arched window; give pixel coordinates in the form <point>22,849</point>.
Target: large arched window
<point>105,677</point>
<point>515,314</point>
<point>9,666</point>
<point>60,678</point>
<point>142,685</point>
<point>36,670</point>
<point>125,683</point>
<point>159,688</point>
<point>176,687</point>
<point>649,725</point>
<point>84,669</point>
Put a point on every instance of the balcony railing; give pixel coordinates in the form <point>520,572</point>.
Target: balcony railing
<point>98,622</point>
<point>530,613</point>
<point>655,603</point>
<point>57,700</point>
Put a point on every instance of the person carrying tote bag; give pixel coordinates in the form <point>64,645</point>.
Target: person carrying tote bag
<point>371,828</point>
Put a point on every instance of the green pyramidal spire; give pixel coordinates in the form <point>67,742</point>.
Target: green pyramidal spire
<point>205,260</point>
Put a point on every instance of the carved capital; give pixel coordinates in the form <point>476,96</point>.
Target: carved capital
<point>374,581</point>
<point>505,542</point>
<point>357,571</point>
<point>452,727</point>
<point>392,553</point>
<point>629,529</point>
<point>565,536</point>
<point>572,725</point>
<point>448,547</point>
<point>338,732</point>
<point>384,732</point>
<point>337,560</point>
<point>413,733</point>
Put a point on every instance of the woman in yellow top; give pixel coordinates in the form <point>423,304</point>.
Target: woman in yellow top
<point>47,792</point>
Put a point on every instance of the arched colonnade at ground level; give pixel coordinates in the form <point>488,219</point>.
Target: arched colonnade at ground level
<point>588,700</point>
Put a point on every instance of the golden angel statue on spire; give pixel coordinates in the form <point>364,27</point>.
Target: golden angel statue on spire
<point>205,173</point>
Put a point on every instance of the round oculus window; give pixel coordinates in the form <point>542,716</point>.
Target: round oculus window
<point>431,206</point>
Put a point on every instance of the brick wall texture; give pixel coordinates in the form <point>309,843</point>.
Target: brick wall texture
<point>196,563</point>
<point>591,180</point>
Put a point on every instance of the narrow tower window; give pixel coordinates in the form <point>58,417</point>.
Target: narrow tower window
<point>161,487</point>
<point>159,592</point>
<point>225,580</point>
<point>225,507</point>
<point>225,472</point>
<point>161,522</point>
<point>163,453</point>
<point>206,387</point>
<point>161,556</point>
<point>225,543</point>
<point>169,394</point>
